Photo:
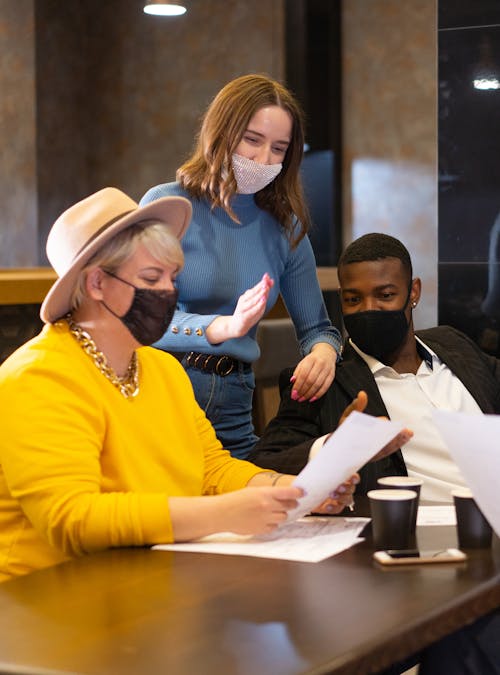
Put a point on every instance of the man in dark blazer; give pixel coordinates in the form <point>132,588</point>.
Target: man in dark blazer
<point>405,372</point>
<point>378,296</point>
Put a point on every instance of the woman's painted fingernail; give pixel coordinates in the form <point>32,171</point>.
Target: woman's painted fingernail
<point>293,378</point>
<point>314,398</point>
<point>302,399</point>
<point>295,394</point>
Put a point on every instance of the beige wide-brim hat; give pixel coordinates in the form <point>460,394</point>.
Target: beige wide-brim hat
<point>87,225</point>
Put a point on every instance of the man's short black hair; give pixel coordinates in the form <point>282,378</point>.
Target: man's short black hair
<point>376,246</point>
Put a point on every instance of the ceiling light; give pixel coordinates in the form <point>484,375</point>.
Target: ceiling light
<point>160,8</point>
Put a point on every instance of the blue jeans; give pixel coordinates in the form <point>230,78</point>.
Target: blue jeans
<point>227,402</point>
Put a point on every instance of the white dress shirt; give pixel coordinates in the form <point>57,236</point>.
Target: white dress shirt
<point>410,399</point>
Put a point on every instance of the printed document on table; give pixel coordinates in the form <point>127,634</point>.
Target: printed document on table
<point>473,443</point>
<point>350,446</point>
<point>306,540</point>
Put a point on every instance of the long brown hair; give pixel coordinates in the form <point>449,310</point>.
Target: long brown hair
<point>208,172</point>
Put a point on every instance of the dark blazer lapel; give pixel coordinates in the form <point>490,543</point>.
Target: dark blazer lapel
<point>465,363</point>
<point>354,375</point>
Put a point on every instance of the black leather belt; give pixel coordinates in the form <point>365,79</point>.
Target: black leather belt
<point>215,363</point>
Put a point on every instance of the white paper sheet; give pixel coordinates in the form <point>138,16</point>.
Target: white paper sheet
<point>306,540</point>
<point>436,515</point>
<point>474,443</point>
<point>351,445</point>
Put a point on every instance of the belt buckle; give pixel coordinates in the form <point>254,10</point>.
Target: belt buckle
<point>219,366</point>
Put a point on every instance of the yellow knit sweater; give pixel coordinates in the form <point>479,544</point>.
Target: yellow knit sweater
<point>82,468</point>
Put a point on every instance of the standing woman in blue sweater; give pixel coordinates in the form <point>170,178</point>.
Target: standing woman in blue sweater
<point>246,244</point>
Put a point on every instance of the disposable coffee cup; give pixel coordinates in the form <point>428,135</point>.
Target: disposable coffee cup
<point>392,513</point>
<point>473,530</point>
<point>404,483</point>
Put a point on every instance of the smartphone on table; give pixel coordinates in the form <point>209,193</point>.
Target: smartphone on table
<point>416,557</point>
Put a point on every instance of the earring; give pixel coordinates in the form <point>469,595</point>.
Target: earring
<point>414,304</point>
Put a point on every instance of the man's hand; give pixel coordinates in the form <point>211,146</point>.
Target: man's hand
<point>359,404</point>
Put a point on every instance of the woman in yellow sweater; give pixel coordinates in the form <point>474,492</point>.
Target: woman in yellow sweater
<point>102,442</point>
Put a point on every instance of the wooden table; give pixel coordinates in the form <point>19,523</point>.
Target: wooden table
<point>142,612</point>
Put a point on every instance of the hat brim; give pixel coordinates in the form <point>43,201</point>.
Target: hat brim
<point>173,211</point>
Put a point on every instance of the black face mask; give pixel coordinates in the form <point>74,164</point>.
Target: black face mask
<point>150,313</point>
<point>378,332</point>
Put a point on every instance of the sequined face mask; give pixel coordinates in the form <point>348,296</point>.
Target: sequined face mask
<point>150,313</point>
<point>251,176</point>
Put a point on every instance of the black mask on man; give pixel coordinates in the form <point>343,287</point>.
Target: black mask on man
<point>150,313</point>
<point>378,332</point>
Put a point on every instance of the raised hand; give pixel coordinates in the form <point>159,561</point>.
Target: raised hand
<point>250,308</point>
<point>359,404</point>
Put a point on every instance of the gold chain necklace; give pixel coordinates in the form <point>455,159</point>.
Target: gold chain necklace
<point>128,385</point>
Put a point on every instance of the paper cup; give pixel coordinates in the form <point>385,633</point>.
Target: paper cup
<point>392,513</point>
<point>404,483</point>
<point>473,530</point>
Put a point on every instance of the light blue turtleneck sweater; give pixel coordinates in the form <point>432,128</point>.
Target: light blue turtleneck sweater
<point>223,259</point>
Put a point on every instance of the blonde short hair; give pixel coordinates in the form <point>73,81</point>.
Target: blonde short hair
<point>154,236</point>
